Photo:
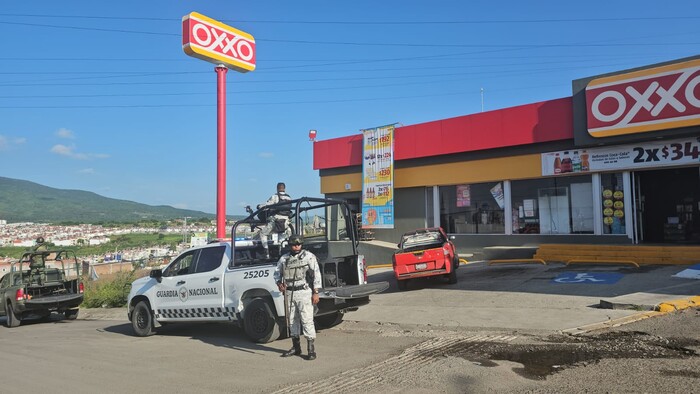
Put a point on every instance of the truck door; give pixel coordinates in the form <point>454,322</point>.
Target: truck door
<point>191,287</point>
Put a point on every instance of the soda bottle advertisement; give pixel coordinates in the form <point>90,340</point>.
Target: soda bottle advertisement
<point>378,177</point>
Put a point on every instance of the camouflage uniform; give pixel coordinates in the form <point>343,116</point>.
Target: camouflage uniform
<point>296,272</point>
<point>271,220</point>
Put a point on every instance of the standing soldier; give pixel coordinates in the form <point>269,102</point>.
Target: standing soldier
<point>277,222</point>
<point>40,245</point>
<point>298,274</point>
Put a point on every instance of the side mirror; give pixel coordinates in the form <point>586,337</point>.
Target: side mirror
<point>452,237</point>
<point>157,274</point>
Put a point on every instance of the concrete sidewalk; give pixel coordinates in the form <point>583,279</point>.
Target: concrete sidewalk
<point>526,296</point>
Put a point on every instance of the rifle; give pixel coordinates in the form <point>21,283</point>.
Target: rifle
<point>286,309</point>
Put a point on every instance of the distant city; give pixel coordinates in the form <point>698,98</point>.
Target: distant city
<point>25,235</point>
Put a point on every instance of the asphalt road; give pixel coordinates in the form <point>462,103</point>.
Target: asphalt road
<point>89,356</point>
<point>498,330</point>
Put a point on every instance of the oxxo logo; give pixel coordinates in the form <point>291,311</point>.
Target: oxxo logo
<point>213,41</point>
<point>648,100</point>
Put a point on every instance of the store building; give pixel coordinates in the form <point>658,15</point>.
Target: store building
<point>618,162</point>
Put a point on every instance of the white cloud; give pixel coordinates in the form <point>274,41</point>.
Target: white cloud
<point>69,151</point>
<point>266,155</point>
<point>7,143</point>
<point>87,171</point>
<point>65,133</point>
<point>62,150</point>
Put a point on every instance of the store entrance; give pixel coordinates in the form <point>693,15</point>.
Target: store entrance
<point>668,206</point>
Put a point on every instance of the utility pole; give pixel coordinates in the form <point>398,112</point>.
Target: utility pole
<point>184,230</point>
<point>482,99</point>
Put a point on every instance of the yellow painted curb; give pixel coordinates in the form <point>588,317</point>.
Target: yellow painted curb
<point>677,305</point>
<point>463,261</point>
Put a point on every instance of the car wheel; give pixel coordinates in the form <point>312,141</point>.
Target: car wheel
<point>142,320</point>
<point>402,284</point>
<point>330,320</point>
<point>452,276</point>
<point>71,314</point>
<point>12,319</point>
<point>259,323</point>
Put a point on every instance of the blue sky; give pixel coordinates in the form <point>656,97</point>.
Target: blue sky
<point>99,96</point>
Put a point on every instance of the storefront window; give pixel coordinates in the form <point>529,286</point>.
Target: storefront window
<point>557,205</point>
<point>472,209</point>
<point>613,203</point>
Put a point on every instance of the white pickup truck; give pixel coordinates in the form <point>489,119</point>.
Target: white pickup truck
<point>233,281</point>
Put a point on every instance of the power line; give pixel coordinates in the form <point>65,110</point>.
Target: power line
<point>123,74</point>
<point>247,103</point>
<point>313,79</point>
<point>363,44</point>
<point>382,23</point>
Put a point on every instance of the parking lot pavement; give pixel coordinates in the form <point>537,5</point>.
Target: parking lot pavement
<point>527,296</point>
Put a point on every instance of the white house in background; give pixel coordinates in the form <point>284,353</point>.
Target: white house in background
<point>98,240</point>
<point>63,242</point>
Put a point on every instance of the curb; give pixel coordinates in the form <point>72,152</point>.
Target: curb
<point>661,309</point>
<point>677,305</point>
<point>611,323</point>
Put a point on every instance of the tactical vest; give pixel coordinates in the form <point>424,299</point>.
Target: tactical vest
<point>295,269</point>
<point>284,210</point>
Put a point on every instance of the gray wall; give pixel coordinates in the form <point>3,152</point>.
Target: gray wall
<point>409,214</point>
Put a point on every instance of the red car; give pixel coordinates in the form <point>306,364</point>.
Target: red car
<point>422,253</point>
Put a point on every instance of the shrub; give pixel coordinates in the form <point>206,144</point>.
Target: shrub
<point>109,291</point>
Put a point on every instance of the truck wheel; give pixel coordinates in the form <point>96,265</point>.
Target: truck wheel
<point>402,284</point>
<point>330,320</point>
<point>12,319</point>
<point>142,320</point>
<point>259,322</point>
<point>71,314</point>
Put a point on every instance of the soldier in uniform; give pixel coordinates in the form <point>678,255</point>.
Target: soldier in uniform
<point>298,274</point>
<point>273,220</point>
<point>40,245</point>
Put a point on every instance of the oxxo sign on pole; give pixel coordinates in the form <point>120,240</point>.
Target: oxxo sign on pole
<point>226,47</point>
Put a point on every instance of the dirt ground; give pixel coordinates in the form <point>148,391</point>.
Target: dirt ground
<point>658,354</point>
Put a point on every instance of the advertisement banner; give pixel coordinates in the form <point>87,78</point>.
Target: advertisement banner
<point>378,177</point>
<point>651,154</point>
<point>463,196</point>
<point>497,193</point>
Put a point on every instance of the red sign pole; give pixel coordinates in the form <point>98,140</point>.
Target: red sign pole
<point>221,151</point>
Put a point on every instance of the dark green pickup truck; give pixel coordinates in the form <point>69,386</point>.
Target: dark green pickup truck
<point>41,282</point>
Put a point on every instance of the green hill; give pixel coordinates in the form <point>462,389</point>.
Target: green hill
<point>24,201</point>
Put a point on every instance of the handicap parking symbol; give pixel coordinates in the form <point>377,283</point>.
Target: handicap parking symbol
<point>595,278</point>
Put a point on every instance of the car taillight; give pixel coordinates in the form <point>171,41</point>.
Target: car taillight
<point>19,295</point>
<point>81,287</point>
<point>364,268</point>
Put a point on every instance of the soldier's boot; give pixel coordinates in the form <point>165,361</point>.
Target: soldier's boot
<point>312,349</point>
<point>295,350</point>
